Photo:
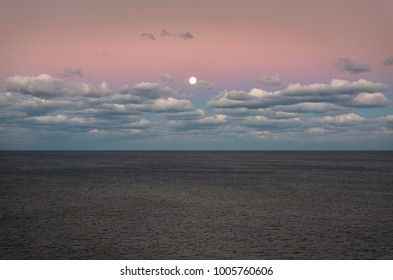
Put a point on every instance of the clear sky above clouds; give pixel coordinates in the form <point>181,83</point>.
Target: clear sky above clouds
<point>271,74</point>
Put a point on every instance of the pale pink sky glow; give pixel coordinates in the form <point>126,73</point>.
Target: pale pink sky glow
<point>299,38</point>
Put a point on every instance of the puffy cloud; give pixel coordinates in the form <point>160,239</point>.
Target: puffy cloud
<point>45,86</point>
<point>338,92</point>
<point>168,105</point>
<point>365,99</point>
<point>388,61</point>
<point>353,67</point>
<point>148,36</point>
<point>273,80</point>
<point>166,78</point>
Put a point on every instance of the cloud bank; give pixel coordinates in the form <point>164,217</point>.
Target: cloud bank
<point>43,107</point>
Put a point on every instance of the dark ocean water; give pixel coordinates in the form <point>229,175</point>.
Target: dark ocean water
<point>196,205</point>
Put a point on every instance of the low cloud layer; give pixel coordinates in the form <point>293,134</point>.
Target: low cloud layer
<point>42,107</point>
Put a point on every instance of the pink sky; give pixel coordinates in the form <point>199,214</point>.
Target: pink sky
<point>234,41</point>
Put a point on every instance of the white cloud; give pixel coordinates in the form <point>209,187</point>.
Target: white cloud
<point>365,99</point>
<point>45,86</point>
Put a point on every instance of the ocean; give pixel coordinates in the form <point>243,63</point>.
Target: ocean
<point>196,205</point>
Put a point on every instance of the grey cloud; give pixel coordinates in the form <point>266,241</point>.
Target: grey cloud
<point>148,36</point>
<point>165,33</point>
<point>186,35</point>
<point>353,67</point>
<point>205,85</point>
<point>69,73</point>
<point>338,92</point>
<point>147,90</point>
<point>388,61</point>
<point>183,35</point>
<point>166,78</point>
<point>273,80</point>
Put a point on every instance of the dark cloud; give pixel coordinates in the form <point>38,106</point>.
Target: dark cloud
<point>148,36</point>
<point>183,35</point>
<point>186,35</point>
<point>166,33</point>
<point>69,73</point>
<point>273,80</point>
<point>388,61</point>
<point>353,67</point>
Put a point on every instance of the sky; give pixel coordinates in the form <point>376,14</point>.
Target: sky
<point>272,75</point>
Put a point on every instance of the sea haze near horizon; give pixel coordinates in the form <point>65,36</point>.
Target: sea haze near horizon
<point>196,205</point>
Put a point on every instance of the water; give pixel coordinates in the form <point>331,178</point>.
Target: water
<point>196,205</point>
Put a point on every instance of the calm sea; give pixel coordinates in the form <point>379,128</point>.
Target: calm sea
<point>196,205</point>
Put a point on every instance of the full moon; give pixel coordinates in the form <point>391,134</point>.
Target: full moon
<point>192,80</point>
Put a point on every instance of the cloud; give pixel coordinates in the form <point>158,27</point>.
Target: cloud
<point>205,85</point>
<point>165,33</point>
<point>145,91</point>
<point>45,86</point>
<point>69,73</point>
<point>337,93</point>
<point>103,53</point>
<point>148,36</point>
<point>186,35</point>
<point>166,78</point>
<point>353,67</point>
<point>43,107</point>
<point>273,80</point>
<point>205,122</point>
<point>345,119</point>
<point>388,61</point>
<point>315,130</point>
<point>370,100</point>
